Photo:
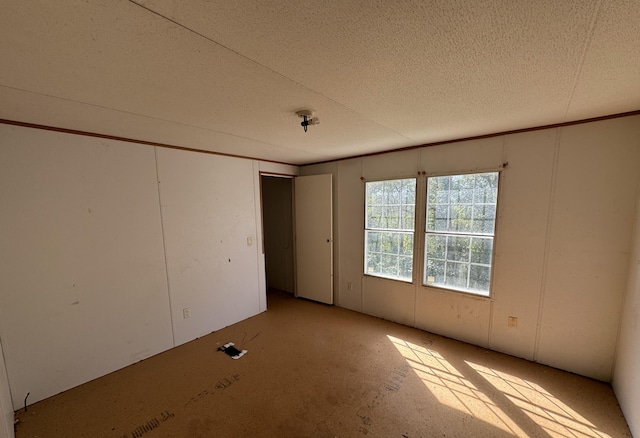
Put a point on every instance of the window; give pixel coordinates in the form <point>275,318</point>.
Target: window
<point>389,228</point>
<point>460,227</point>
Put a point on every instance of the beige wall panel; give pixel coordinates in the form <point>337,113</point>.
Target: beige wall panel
<point>82,269</point>
<point>456,315</point>
<point>626,376</point>
<point>283,169</point>
<point>209,219</point>
<point>403,164</point>
<point>465,156</point>
<point>388,299</point>
<point>319,169</point>
<point>525,187</point>
<point>351,230</point>
<point>587,265</point>
<point>6,406</point>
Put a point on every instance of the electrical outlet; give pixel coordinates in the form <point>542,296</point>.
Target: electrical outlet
<point>349,286</point>
<point>249,241</point>
<point>186,313</point>
<point>512,321</point>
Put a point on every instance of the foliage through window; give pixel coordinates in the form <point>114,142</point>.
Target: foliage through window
<point>389,228</point>
<point>460,227</point>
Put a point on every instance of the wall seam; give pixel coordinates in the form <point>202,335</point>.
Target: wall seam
<point>547,243</point>
<point>164,246</point>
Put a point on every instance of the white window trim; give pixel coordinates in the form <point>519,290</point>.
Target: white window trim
<point>423,239</point>
<point>406,231</point>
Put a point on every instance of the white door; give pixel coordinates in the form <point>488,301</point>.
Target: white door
<point>314,238</point>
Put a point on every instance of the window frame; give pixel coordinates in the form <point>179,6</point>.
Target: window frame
<point>366,229</point>
<point>425,233</point>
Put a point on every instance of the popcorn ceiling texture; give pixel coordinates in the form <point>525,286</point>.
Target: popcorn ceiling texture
<point>229,76</point>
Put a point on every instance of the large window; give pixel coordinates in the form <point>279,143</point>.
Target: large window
<point>460,226</point>
<point>389,228</point>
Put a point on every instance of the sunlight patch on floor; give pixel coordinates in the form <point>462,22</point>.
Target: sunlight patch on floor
<point>550,413</point>
<point>451,388</point>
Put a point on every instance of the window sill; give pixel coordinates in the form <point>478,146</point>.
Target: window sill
<point>478,296</point>
<point>388,278</point>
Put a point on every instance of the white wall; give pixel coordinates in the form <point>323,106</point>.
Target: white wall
<point>562,244</point>
<point>87,285</point>
<point>626,377</point>
<point>209,220</point>
<point>6,406</point>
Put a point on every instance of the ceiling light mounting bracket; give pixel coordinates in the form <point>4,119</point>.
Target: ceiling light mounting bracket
<point>308,119</point>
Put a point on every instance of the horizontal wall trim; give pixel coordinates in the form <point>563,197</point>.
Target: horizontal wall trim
<point>408,148</point>
<point>277,174</point>
<point>131,140</point>
<point>479,137</point>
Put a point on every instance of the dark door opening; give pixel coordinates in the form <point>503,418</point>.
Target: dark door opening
<point>277,223</point>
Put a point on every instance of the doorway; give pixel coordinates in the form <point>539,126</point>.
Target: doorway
<point>277,222</point>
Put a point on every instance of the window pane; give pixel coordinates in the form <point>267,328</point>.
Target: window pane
<point>406,244</point>
<point>436,247</point>
<point>372,263</point>
<point>461,189</point>
<point>484,218</point>
<point>460,218</point>
<point>389,243</point>
<point>486,188</point>
<point>374,217</point>
<point>460,224</point>
<point>409,192</point>
<point>456,274</point>
<point>393,190</point>
<point>408,217</point>
<point>389,254</point>
<point>406,267</point>
<point>375,193</point>
<point>389,265</point>
<point>479,278</point>
<point>391,220</point>
<point>481,250</point>
<point>438,190</point>
<point>373,241</point>
<point>458,248</point>
<point>434,272</point>
<point>390,211</point>
<point>441,218</point>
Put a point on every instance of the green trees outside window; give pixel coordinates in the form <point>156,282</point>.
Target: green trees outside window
<point>459,221</point>
<point>389,228</point>
<point>460,227</point>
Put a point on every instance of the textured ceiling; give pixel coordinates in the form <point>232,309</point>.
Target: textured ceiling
<point>228,76</point>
